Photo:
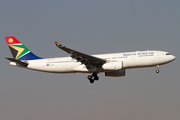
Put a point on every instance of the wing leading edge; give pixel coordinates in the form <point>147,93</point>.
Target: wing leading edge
<point>85,59</point>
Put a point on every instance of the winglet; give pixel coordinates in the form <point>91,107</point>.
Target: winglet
<point>57,44</point>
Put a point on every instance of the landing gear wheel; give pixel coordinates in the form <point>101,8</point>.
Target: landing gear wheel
<point>157,71</point>
<point>96,78</point>
<point>93,77</point>
<point>91,81</point>
<point>89,77</point>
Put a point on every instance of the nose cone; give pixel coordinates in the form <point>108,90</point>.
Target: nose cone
<point>174,57</point>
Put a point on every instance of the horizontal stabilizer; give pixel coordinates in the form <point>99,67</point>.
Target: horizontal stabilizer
<point>17,61</point>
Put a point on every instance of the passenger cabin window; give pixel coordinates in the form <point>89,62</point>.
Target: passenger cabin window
<point>167,53</point>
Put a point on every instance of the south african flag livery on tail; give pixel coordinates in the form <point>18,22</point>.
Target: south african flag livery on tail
<point>19,51</point>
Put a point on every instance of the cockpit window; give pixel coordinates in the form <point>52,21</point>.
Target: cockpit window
<point>167,53</point>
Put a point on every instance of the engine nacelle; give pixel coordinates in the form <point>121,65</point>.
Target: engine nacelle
<point>118,73</point>
<point>112,66</point>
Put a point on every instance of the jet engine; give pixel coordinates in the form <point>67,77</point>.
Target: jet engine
<point>113,66</point>
<point>117,73</point>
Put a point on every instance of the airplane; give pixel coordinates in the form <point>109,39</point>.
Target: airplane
<point>113,65</point>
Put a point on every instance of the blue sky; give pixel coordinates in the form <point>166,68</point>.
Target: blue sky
<point>91,27</point>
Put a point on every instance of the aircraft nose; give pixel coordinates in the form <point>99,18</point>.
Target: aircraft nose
<point>173,57</point>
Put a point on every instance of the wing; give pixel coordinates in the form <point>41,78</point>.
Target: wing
<point>85,59</point>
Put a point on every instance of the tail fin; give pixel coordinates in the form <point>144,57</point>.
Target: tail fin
<point>19,51</point>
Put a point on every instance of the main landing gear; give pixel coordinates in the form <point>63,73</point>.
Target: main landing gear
<point>157,70</point>
<point>93,77</point>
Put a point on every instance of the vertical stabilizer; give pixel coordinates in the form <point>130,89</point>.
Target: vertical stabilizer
<point>18,50</point>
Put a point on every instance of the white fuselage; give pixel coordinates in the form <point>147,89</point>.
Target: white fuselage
<point>129,60</point>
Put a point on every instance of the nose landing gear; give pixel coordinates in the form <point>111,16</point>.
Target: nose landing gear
<point>157,70</point>
<point>93,77</point>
